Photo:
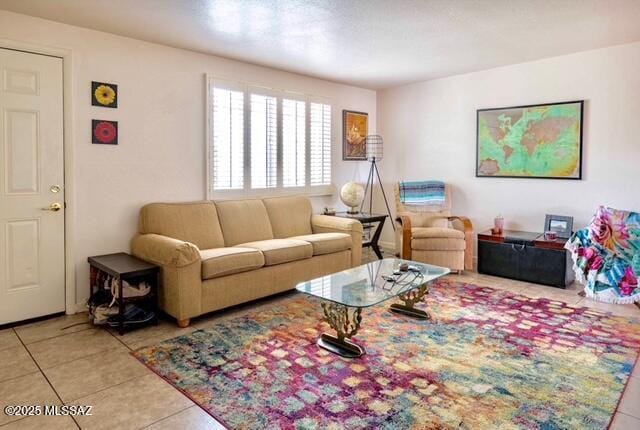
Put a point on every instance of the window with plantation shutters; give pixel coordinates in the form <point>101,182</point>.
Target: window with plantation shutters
<point>227,152</point>
<point>293,143</point>
<point>266,142</point>
<point>320,144</point>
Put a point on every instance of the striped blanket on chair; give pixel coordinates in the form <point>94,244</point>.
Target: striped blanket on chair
<point>428,193</point>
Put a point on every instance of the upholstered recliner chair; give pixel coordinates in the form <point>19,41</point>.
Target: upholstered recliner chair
<point>430,234</point>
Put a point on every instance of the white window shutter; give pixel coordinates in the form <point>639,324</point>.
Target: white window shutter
<point>293,143</point>
<point>320,144</point>
<point>227,144</point>
<point>264,141</point>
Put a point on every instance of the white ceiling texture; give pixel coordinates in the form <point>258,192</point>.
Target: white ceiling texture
<point>368,43</point>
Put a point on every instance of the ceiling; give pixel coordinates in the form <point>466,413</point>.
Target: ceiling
<point>368,43</point>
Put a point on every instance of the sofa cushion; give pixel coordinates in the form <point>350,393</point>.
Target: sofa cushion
<point>278,251</point>
<point>430,232</point>
<point>243,221</point>
<point>438,244</point>
<point>226,261</point>
<point>289,216</point>
<point>326,243</point>
<point>195,222</point>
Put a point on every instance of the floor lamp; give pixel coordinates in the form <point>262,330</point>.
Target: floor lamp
<point>374,153</point>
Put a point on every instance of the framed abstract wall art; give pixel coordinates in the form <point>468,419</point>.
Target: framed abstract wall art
<point>534,141</point>
<point>104,94</point>
<point>355,128</point>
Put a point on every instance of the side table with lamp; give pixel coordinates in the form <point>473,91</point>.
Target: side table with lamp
<point>368,219</point>
<point>353,195</point>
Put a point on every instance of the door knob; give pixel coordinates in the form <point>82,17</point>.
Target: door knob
<point>55,207</point>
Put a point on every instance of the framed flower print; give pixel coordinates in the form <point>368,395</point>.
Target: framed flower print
<point>104,94</point>
<point>104,132</point>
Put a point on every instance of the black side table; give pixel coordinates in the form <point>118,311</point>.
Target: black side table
<point>368,218</point>
<point>124,267</point>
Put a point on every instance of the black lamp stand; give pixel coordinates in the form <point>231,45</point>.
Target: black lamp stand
<point>369,187</point>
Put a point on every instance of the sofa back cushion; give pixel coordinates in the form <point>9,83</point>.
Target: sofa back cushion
<point>243,221</point>
<point>195,222</point>
<point>289,216</point>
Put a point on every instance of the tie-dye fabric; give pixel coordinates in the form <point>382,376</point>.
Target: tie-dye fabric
<point>606,256</point>
<point>491,359</point>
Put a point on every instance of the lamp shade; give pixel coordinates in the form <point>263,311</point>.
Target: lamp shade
<point>374,147</point>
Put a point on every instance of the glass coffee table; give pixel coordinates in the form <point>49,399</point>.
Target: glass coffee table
<point>345,294</point>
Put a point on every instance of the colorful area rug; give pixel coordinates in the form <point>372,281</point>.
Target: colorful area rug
<point>492,359</point>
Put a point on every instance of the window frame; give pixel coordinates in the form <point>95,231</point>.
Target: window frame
<point>248,192</point>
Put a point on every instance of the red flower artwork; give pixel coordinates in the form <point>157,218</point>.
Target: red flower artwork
<point>105,132</point>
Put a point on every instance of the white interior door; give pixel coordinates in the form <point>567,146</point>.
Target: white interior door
<point>31,186</point>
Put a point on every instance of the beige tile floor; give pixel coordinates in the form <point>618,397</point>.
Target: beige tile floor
<point>66,361</point>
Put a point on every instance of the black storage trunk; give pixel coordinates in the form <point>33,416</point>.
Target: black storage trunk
<point>521,256</point>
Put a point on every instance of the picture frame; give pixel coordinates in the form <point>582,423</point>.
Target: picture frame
<point>104,132</point>
<point>104,94</point>
<point>560,224</point>
<point>355,128</point>
<point>547,145</point>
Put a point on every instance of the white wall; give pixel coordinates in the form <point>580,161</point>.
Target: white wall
<point>161,114</point>
<point>430,133</point>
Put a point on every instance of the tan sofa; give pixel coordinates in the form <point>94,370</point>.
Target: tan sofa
<point>218,254</point>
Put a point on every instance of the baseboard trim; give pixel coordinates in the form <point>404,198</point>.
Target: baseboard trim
<point>79,307</point>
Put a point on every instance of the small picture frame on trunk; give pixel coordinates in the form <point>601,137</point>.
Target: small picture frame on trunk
<point>561,225</point>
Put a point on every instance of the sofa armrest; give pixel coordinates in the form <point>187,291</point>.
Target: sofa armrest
<point>164,251</point>
<point>404,224</point>
<point>180,292</point>
<point>334,223</point>
<point>331,224</point>
<point>464,224</point>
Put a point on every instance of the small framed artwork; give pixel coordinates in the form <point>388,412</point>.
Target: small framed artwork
<point>355,128</point>
<point>104,132</point>
<point>104,94</point>
<point>561,225</point>
<point>534,141</point>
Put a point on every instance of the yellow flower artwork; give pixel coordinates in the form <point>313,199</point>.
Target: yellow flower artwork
<point>104,95</point>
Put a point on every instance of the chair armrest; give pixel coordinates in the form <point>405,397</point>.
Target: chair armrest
<point>329,224</point>
<point>404,222</point>
<point>464,224</point>
<point>164,251</point>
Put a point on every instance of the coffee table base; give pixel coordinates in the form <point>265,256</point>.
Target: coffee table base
<point>409,311</point>
<point>346,324</point>
<point>343,348</point>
